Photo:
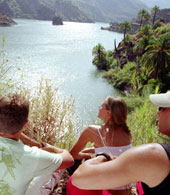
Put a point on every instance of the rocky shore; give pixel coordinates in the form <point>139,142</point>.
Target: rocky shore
<point>6,21</point>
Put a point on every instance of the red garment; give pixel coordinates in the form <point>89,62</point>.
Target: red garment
<point>73,190</point>
<point>139,188</point>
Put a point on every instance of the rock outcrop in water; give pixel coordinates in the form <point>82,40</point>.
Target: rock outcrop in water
<point>6,21</point>
<point>57,20</point>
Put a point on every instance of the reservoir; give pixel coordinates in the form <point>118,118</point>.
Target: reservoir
<point>62,54</point>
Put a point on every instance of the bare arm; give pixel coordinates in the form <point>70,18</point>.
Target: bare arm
<point>29,141</point>
<point>67,159</point>
<point>88,150</point>
<point>148,163</point>
<point>84,138</point>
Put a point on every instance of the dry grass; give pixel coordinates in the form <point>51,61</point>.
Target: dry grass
<point>51,119</point>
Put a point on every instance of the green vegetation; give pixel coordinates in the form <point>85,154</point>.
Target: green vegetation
<point>143,16</point>
<point>139,66</point>
<point>140,60</point>
<point>154,11</point>
<point>125,27</point>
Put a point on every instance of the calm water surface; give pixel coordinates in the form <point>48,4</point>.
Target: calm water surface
<point>64,55</point>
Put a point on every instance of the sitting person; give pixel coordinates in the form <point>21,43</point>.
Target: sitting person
<point>148,163</point>
<point>44,184</point>
<point>113,137</point>
<point>19,163</point>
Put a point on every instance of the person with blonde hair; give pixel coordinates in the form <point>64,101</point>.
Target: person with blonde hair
<point>111,138</point>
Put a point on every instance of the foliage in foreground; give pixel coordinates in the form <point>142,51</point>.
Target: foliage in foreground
<point>143,118</point>
<point>51,119</point>
<point>143,125</point>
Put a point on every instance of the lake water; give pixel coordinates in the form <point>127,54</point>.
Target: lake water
<point>64,55</point>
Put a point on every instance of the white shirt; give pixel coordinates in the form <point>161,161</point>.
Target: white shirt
<point>19,164</point>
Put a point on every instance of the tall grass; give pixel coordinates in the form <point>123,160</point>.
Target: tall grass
<point>143,124</point>
<point>51,119</point>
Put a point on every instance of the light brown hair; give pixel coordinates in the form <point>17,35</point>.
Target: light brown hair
<point>119,112</point>
<point>14,111</point>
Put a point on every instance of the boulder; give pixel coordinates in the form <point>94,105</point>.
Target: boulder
<point>57,20</point>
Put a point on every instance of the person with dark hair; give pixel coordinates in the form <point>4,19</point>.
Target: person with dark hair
<point>112,137</point>
<point>19,163</point>
<point>148,163</point>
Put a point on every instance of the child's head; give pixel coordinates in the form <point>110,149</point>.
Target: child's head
<point>14,111</point>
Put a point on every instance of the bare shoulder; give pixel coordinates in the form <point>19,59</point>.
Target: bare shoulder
<point>91,129</point>
<point>146,153</point>
<point>153,150</point>
<point>148,162</point>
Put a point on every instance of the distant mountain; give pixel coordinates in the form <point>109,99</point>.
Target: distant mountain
<point>110,10</point>
<point>43,9</point>
<point>160,3</point>
<point>164,14</point>
<point>73,10</point>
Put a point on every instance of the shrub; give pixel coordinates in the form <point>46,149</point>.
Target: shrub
<point>51,119</point>
<point>143,124</point>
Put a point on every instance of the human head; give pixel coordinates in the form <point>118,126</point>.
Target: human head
<point>162,100</point>
<point>118,110</point>
<point>14,111</point>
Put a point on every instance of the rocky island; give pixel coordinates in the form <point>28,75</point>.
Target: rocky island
<point>6,21</point>
<point>57,20</point>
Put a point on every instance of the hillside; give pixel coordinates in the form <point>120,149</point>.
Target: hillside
<point>110,10</point>
<point>73,10</point>
<point>164,14</point>
<point>43,9</point>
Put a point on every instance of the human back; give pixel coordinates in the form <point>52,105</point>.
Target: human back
<point>19,163</point>
<point>111,137</point>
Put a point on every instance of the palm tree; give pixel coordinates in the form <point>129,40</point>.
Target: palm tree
<point>142,43</point>
<point>143,14</point>
<point>157,56</point>
<point>99,54</point>
<point>145,29</point>
<point>125,27</point>
<point>154,11</point>
<point>147,17</point>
